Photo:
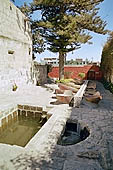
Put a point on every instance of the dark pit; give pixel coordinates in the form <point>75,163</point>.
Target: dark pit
<point>73,134</point>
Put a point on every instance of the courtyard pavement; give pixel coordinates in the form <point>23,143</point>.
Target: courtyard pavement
<point>94,153</point>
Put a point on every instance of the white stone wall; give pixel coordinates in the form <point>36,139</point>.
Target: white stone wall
<point>15,46</point>
<point>39,73</point>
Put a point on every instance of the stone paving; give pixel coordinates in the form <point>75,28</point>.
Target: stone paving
<point>94,153</point>
<point>29,94</point>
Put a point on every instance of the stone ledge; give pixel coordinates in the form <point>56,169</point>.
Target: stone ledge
<point>48,135</point>
<point>78,96</point>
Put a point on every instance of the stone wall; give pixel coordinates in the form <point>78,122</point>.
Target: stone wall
<point>15,46</point>
<point>39,73</point>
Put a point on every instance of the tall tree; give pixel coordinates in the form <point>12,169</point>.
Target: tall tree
<point>107,59</point>
<point>65,24</point>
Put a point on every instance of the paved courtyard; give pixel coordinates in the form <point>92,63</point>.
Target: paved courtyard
<point>94,153</point>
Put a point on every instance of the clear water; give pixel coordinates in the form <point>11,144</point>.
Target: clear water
<point>20,130</point>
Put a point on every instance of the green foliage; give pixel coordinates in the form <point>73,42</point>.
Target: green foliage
<point>67,74</point>
<point>82,75</point>
<point>38,42</point>
<point>107,58</point>
<point>107,85</point>
<point>65,24</point>
<point>64,81</point>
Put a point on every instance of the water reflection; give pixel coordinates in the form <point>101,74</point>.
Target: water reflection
<point>21,129</point>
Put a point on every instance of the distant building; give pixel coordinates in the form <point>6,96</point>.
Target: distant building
<point>95,63</point>
<point>77,61</point>
<point>52,61</point>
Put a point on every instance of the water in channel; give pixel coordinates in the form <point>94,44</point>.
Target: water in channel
<point>20,130</point>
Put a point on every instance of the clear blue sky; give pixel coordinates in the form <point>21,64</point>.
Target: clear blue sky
<point>92,52</point>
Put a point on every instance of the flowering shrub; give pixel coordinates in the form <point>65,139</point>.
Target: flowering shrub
<point>81,75</point>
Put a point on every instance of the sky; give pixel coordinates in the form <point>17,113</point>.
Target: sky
<point>91,52</point>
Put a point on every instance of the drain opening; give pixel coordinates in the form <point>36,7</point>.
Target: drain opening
<point>72,134</point>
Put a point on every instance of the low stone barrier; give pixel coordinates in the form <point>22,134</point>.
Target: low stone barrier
<point>78,96</point>
<point>8,114</point>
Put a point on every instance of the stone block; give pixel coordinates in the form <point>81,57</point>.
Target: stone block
<point>9,118</point>
<point>43,112</point>
<point>38,116</point>
<point>64,98</point>
<point>39,108</point>
<point>15,114</point>
<point>4,123</point>
<point>64,87</point>
<point>20,107</point>
<point>23,112</point>
<point>59,91</point>
<point>33,108</point>
<point>30,114</point>
<point>26,107</point>
<point>38,113</point>
<point>48,116</point>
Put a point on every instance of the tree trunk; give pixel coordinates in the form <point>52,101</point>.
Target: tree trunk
<point>61,65</point>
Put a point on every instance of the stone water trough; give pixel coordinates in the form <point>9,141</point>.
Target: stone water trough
<point>58,128</point>
<point>91,94</point>
<point>70,93</point>
<point>19,124</point>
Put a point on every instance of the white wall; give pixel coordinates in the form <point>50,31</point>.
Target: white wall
<point>15,46</point>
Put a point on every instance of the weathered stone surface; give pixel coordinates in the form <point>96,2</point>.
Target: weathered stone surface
<point>15,114</point>
<point>20,106</point>
<point>33,108</point>
<point>93,99</point>
<point>64,98</point>
<point>91,85</point>
<point>30,113</point>
<point>77,165</point>
<point>89,155</point>
<point>39,108</point>
<point>59,91</point>
<point>16,47</point>
<point>40,73</point>
<point>73,85</point>
<point>26,107</point>
<point>23,112</point>
<point>65,87</point>
<point>43,152</point>
<point>78,82</point>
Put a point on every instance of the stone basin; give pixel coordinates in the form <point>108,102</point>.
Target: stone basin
<point>73,134</point>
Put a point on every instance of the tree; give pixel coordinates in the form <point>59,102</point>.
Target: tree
<point>107,59</point>
<point>65,24</point>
